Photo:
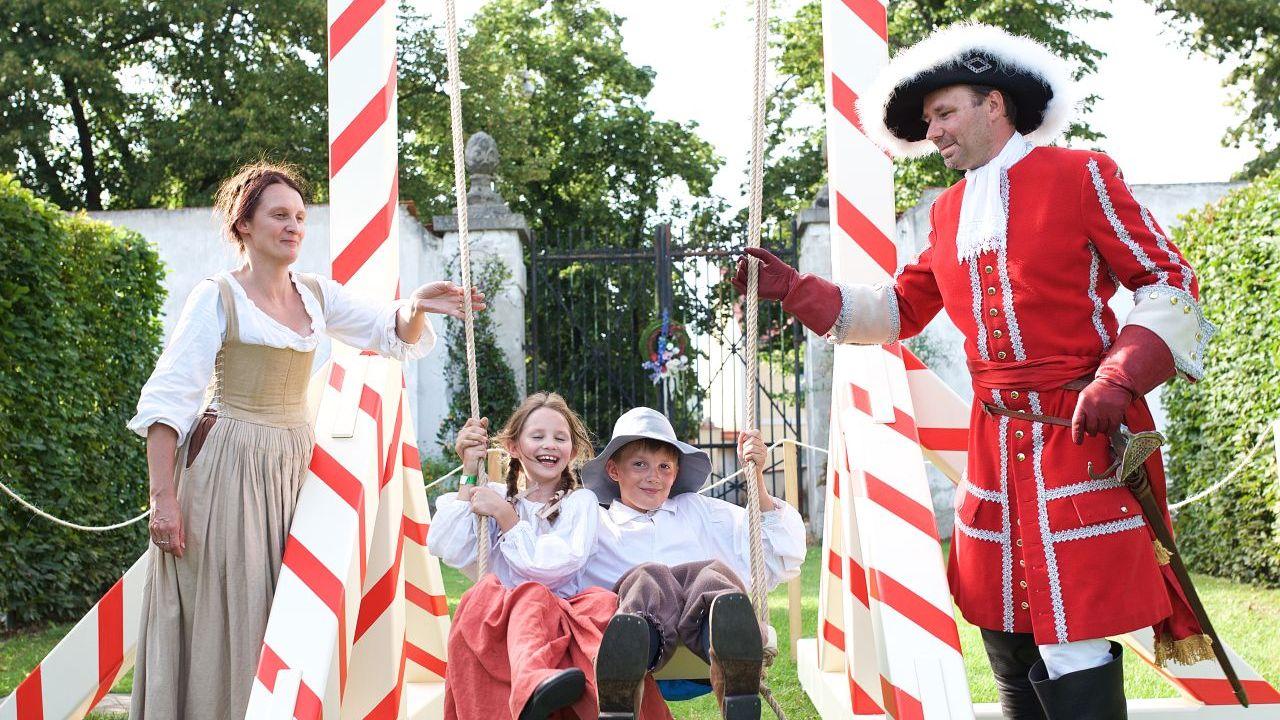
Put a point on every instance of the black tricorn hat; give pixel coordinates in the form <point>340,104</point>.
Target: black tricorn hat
<point>967,54</point>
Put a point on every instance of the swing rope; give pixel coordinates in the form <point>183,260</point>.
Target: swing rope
<point>464,254</point>
<point>759,580</point>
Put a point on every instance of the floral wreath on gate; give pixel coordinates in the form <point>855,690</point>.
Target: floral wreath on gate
<point>664,344</point>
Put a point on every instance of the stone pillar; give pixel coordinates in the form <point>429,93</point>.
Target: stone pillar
<point>495,231</point>
<point>813,226</point>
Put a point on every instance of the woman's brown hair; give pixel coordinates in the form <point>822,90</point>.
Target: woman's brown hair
<point>510,434</point>
<point>238,196</point>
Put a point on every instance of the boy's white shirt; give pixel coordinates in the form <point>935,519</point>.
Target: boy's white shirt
<point>691,527</point>
<point>533,550</point>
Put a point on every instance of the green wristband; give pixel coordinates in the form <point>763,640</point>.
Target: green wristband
<point>467,480</point>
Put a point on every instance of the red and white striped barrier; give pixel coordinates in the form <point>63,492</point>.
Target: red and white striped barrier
<point>888,642</point>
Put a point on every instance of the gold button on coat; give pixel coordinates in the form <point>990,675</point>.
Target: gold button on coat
<point>988,269</point>
<point>991,291</point>
<point>1019,434</point>
<point>997,334</point>
<point>1002,355</point>
<point>993,312</point>
<point>1025,605</point>
<point>1021,457</point>
<point>1015,395</point>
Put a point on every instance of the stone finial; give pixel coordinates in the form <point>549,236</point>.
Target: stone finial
<point>482,154</point>
<point>482,162</point>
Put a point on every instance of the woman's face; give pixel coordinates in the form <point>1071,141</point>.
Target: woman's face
<point>274,232</point>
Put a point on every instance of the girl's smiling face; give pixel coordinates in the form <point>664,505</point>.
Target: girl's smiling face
<point>544,446</point>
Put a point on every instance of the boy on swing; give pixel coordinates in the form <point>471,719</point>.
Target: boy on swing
<point>680,564</point>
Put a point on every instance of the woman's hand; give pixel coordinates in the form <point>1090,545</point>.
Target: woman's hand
<point>166,527</point>
<point>472,445</point>
<point>488,503</point>
<point>445,298</point>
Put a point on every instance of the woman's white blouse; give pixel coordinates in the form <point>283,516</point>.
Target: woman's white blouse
<point>533,550</point>
<point>175,392</point>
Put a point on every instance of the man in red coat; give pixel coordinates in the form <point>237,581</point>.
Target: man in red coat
<point>1023,255</point>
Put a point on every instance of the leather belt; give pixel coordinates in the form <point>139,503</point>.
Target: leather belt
<point>1075,385</point>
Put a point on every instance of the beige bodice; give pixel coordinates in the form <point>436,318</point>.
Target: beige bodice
<point>257,383</point>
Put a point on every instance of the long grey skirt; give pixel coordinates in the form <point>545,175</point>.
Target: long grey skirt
<point>204,615</point>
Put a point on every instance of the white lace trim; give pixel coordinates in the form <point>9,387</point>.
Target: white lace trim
<point>895,315</point>
<point>977,534</point>
<point>1006,529</point>
<point>1185,331</point>
<point>995,496</point>
<point>844,321</point>
<point>1106,528</point>
<point>1162,242</point>
<point>1002,257</point>
<point>1104,199</point>
<point>1095,262</point>
<point>1046,535</point>
<point>1081,487</point>
<point>976,287</point>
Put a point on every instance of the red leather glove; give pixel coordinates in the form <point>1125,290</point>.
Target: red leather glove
<point>1138,363</point>
<point>814,301</point>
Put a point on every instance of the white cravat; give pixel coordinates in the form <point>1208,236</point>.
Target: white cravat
<point>984,218</point>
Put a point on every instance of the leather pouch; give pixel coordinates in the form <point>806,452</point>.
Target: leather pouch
<point>198,435</point>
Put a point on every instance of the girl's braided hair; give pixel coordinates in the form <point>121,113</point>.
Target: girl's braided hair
<point>510,435</point>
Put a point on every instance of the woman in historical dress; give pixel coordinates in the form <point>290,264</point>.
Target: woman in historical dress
<point>229,442</point>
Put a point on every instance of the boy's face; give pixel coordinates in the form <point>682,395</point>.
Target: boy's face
<point>644,476</point>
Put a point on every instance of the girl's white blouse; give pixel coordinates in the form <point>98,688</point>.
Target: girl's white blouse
<point>175,393</point>
<point>533,550</point>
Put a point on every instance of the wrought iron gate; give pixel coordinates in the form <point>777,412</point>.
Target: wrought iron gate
<point>595,315</point>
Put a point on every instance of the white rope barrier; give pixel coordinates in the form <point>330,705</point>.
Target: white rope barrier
<point>1240,466</point>
<point>67,523</point>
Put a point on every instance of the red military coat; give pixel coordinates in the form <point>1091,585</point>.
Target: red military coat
<point>1039,546</point>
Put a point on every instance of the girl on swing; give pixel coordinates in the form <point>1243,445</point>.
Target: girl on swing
<point>229,441</point>
<point>524,636</point>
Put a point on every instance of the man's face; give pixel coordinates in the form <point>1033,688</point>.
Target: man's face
<point>967,130</point>
<point>644,475</point>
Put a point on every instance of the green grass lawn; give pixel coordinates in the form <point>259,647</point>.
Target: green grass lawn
<point>1248,618</point>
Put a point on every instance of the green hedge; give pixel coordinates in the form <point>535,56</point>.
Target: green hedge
<point>1235,247</point>
<point>79,334</point>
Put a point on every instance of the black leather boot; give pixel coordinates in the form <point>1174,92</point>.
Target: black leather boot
<point>737,656</point>
<point>621,666</point>
<point>557,691</point>
<point>1012,655</point>
<point>1093,694</point>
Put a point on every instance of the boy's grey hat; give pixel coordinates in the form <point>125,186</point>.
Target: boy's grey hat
<point>643,422</point>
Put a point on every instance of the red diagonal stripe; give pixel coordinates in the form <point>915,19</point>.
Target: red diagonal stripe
<point>371,404</point>
<point>865,233</point>
<point>336,376</point>
<point>381,593</point>
<point>901,505</point>
<point>338,478</point>
<point>437,605</point>
<point>873,14</point>
<point>372,116</point>
<point>313,574</point>
<point>269,665</point>
<point>861,399</point>
<point>898,703</point>
<point>424,658</point>
<point>909,358</point>
<point>368,240</point>
<point>915,608</point>
<point>833,634</point>
<point>390,467</point>
<point>110,639</point>
<point>349,23</point>
<point>858,582</point>
<point>863,703</point>
<point>955,439</point>
<point>835,480</point>
<point>410,457</point>
<point>845,101</point>
<point>307,706</point>
<point>29,697</point>
<point>834,566</point>
<point>415,531</point>
<point>1216,691</point>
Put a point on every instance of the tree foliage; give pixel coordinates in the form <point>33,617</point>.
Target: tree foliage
<point>549,80</point>
<point>118,103</point>
<point>1246,34</point>
<point>796,169</point>
<point>1235,531</point>
<point>79,332</point>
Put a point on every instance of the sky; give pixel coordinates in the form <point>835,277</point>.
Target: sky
<point>1163,110</point>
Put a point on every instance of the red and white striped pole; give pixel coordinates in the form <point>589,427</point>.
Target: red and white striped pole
<point>898,606</point>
